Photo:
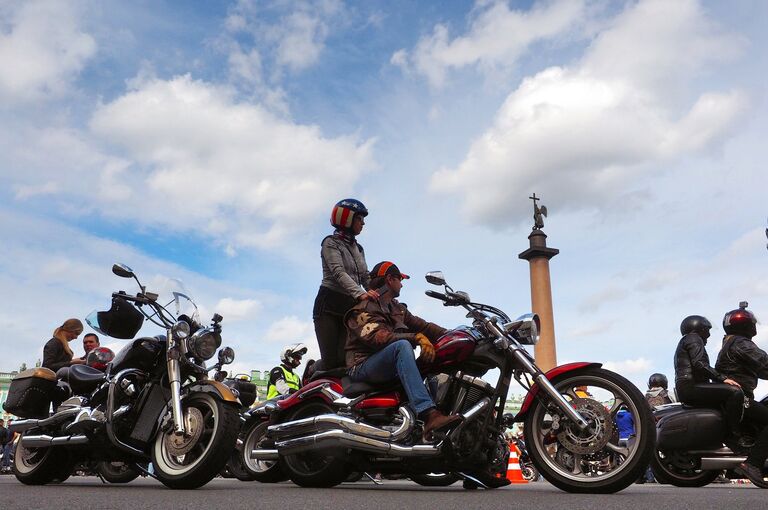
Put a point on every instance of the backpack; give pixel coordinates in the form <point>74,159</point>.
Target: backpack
<point>658,399</point>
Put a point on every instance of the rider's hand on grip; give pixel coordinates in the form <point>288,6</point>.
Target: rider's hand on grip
<point>427,349</point>
<point>732,382</point>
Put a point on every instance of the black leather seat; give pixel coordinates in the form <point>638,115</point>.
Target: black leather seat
<point>355,389</point>
<point>83,379</point>
<point>336,373</point>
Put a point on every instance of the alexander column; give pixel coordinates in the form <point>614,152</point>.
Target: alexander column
<point>538,256</point>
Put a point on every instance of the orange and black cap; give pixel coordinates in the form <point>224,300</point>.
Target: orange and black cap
<point>387,268</point>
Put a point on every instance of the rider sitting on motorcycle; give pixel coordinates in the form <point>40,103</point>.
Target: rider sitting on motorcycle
<point>382,334</point>
<point>282,379</point>
<point>745,362</point>
<point>698,384</point>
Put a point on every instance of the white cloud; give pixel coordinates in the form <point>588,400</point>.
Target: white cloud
<point>238,309</point>
<point>630,367</point>
<point>42,49</point>
<point>291,330</point>
<point>584,133</point>
<point>496,37</point>
<point>232,170</point>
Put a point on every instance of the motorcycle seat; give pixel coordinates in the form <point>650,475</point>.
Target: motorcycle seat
<point>355,389</point>
<point>333,373</point>
<point>83,378</point>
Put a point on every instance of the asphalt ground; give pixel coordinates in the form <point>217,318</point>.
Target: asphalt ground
<point>89,492</point>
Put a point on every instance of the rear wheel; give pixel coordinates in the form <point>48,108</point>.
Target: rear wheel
<point>680,470</point>
<point>435,479</point>
<point>117,472</point>
<point>593,460</point>
<point>264,471</point>
<point>39,466</point>
<point>317,468</point>
<point>192,460</point>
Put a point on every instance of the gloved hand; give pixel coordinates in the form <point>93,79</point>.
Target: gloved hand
<point>427,349</point>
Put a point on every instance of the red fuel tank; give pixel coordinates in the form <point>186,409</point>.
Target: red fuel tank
<point>453,347</point>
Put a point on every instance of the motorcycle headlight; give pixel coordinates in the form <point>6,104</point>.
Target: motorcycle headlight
<point>180,330</point>
<point>525,329</point>
<point>226,355</point>
<point>203,343</point>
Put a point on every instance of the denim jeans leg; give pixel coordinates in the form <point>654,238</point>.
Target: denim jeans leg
<point>396,360</point>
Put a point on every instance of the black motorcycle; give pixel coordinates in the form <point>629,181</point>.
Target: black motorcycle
<point>154,403</point>
<point>690,449</point>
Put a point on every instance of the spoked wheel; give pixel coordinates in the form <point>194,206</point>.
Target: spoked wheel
<point>319,468</point>
<point>591,460</point>
<point>264,471</point>
<point>191,460</point>
<point>680,469</point>
<point>435,479</point>
<point>39,466</point>
<point>529,472</point>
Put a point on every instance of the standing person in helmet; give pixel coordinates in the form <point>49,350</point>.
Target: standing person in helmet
<point>282,379</point>
<point>345,280</point>
<point>745,362</point>
<point>698,384</point>
<point>657,394</point>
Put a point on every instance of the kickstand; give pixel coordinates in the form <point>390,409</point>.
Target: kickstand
<point>145,471</point>
<point>473,479</point>
<point>100,477</point>
<point>377,482</point>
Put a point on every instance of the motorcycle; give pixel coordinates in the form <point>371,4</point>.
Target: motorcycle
<point>690,450</point>
<point>527,468</point>
<point>153,403</point>
<point>332,426</point>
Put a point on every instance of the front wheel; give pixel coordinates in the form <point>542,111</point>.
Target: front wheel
<point>611,453</point>
<point>191,460</point>
<point>264,471</point>
<point>680,469</point>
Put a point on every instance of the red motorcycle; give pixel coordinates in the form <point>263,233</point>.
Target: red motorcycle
<point>333,426</point>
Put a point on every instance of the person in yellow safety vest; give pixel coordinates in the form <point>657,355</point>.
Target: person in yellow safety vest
<point>282,379</point>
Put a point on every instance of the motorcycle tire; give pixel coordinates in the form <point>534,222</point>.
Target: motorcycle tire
<point>666,472</point>
<point>264,471</point>
<point>193,460</point>
<point>628,465</point>
<point>40,466</point>
<point>117,472</point>
<point>315,468</point>
<point>530,473</point>
<point>435,479</point>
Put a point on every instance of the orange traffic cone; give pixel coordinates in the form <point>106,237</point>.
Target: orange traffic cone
<point>514,474</point>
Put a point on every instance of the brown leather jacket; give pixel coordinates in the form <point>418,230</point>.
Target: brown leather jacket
<point>371,326</point>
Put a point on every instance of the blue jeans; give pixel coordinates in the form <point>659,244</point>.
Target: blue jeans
<point>7,455</point>
<point>394,361</point>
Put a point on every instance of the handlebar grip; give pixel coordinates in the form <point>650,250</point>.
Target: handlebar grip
<point>436,295</point>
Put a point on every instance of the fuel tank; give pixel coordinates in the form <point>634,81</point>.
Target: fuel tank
<point>141,353</point>
<point>453,347</point>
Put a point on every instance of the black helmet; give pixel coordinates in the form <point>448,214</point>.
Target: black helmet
<point>658,380</point>
<point>695,324</point>
<point>740,321</point>
<point>122,320</point>
<point>344,212</point>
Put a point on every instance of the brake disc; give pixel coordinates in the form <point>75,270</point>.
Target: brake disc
<point>181,444</point>
<point>595,436</point>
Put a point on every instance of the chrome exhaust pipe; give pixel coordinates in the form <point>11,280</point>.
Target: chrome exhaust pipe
<point>340,439</point>
<point>261,454</point>
<point>44,440</point>
<point>322,422</point>
<point>718,463</point>
<point>22,425</point>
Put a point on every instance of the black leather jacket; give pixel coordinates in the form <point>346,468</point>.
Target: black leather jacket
<point>743,361</point>
<point>692,361</point>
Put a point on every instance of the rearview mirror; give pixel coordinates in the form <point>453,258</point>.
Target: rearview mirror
<point>122,271</point>
<point>435,278</point>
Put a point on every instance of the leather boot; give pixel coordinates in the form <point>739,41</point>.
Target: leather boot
<point>435,420</point>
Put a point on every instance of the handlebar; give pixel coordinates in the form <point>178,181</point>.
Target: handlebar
<point>436,295</point>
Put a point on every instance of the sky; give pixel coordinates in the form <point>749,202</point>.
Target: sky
<point>206,142</point>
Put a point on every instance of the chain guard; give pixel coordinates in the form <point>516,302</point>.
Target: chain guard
<point>592,439</point>
<point>181,444</point>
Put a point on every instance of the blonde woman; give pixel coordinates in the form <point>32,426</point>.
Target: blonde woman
<point>57,353</point>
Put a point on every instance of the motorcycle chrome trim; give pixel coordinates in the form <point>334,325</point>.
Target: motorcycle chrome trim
<point>718,463</point>
<point>561,402</point>
<point>44,440</point>
<point>333,421</point>
<point>263,454</point>
<point>477,408</point>
<point>174,377</point>
<point>112,413</point>
<point>338,438</point>
<point>22,425</point>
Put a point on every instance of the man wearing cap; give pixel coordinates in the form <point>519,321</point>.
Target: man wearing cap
<point>382,334</point>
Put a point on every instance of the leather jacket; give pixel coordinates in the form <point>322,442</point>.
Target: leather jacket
<point>743,361</point>
<point>692,361</point>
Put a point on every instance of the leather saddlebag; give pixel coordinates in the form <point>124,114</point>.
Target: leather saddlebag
<point>30,393</point>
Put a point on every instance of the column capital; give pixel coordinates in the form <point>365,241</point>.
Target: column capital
<point>538,247</point>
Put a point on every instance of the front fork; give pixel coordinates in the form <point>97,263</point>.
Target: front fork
<point>174,378</point>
